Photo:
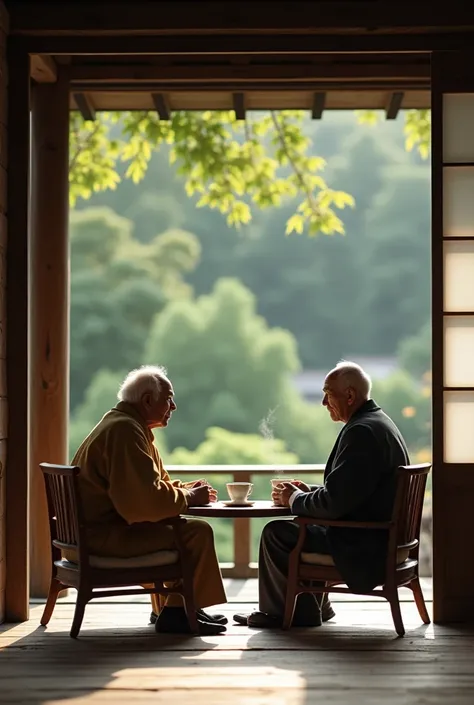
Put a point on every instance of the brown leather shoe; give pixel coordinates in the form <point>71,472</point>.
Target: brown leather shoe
<point>262,620</point>
<point>215,618</point>
<point>173,620</point>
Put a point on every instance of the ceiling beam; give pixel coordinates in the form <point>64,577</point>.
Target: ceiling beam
<point>238,102</point>
<point>255,100</point>
<point>232,44</point>
<point>394,105</point>
<point>319,101</point>
<point>104,17</point>
<point>239,86</point>
<point>160,101</point>
<point>85,106</point>
<point>208,72</point>
<point>43,69</point>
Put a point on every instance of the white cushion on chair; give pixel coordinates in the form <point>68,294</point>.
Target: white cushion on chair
<point>327,560</point>
<point>317,558</point>
<point>149,560</point>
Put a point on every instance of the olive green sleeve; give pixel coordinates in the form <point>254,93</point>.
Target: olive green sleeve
<point>139,488</point>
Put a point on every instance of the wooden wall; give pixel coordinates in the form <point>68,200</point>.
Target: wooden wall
<point>3,243</point>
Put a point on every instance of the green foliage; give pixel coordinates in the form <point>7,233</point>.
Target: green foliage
<point>368,117</point>
<point>228,367</point>
<point>118,285</point>
<point>414,353</point>
<point>223,447</point>
<point>418,131</point>
<point>100,397</point>
<point>409,405</point>
<point>231,165</point>
<point>397,257</point>
<point>339,297</point>
<point>417,128</point>
<point>93,157</point>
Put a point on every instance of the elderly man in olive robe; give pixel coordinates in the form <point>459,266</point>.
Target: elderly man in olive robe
<point>126,490</point>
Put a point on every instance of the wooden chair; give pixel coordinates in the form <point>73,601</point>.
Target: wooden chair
<point>402,556</point>
<point>90,573</point>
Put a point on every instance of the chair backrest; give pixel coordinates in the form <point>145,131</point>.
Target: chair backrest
<point>66,521</point>
<point>408,506</point>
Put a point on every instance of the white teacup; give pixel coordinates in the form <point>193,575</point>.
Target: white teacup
<point>239,491</point>
<point>278,480</point>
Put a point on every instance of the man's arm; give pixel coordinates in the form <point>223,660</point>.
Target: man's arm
<point>138,491</point>
<point>352,480</point>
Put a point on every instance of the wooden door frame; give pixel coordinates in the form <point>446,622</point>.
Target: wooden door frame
<point>17,594</point>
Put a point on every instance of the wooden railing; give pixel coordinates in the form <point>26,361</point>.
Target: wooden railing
<point>242,566</point>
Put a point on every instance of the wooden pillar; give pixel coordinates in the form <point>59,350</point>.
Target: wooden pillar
<point>3,298</point>
<point>242,537</point>
<point>17,578</point>
<point>49,309</point>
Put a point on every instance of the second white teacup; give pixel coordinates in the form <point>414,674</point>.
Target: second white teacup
<point>278,480</point>
<point>239,491</point>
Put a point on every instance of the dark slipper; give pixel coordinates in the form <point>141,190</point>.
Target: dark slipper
<point>261,620</point>
<point>215,618</point>
<point>173,620</point>
<point>258,620</point>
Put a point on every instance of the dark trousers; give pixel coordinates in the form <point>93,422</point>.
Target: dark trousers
<point>277,541</point>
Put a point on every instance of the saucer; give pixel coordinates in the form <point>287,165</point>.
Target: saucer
<point>234,503</point>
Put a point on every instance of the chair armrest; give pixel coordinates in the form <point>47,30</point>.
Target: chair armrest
<point>302,521</point>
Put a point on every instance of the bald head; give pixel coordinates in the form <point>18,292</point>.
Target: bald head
<point>350,374</point>
<point>346,388</point>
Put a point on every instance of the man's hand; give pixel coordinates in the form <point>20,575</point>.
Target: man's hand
<point>203,483</point>
<point>282,492</point>
<point>195,483</point>
<point>199,496</point>
<point>302,485</point>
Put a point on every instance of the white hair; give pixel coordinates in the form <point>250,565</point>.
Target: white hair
<point>147,378</point>
<point>350,374</point>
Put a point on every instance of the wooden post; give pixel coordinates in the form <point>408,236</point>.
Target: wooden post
<point>3,297</point>
<point>17,578</point>
<point>49,309</point>
<point>242,537</point>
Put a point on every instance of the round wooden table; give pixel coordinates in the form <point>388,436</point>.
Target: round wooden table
<point>260,508</point>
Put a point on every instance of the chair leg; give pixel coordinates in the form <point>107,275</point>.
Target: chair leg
<point>290,605</point>
<point>81,602</point>
<point>392,597</point>
<point>420,600</point>
<point>189,604</point>
<point>54,590</point>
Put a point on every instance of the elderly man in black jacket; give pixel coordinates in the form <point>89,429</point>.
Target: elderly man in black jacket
<point>359,485</point>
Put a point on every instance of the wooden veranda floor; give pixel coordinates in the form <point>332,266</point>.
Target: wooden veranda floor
<point>118,658</point>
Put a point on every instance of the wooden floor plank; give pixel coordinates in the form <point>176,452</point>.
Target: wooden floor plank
<point>119,658</point>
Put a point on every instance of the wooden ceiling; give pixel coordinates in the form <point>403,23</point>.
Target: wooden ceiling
<point>240,56</point>
<point>229,82</point>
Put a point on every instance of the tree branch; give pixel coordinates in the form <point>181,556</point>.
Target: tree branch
<point>298,173</point>
<point>82,146</point>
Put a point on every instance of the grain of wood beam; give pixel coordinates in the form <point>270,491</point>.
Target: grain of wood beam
<point>394,105</point>
<point>238,100</point>
<point>319,102</point>
<point>162,107</point>
<point>43,68</point>
<point>85,106</point>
